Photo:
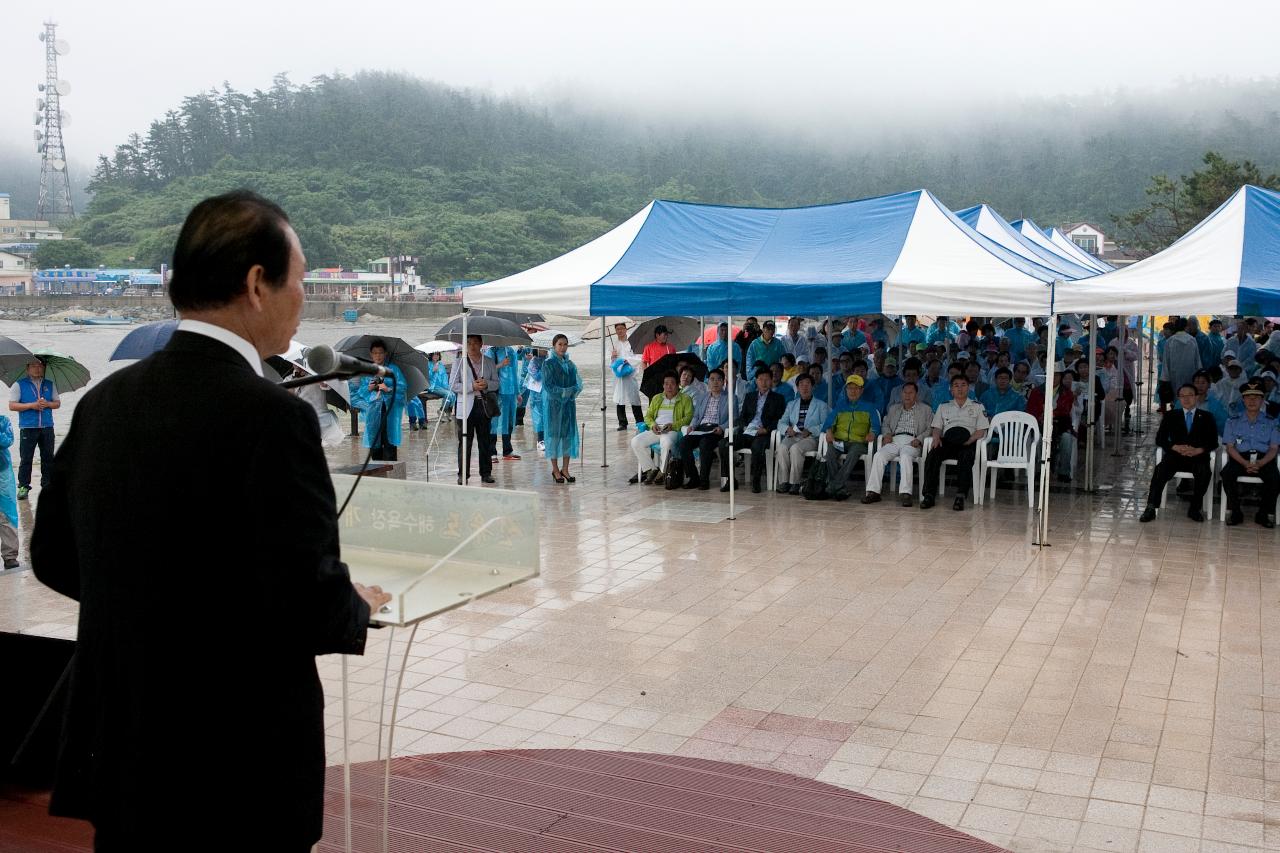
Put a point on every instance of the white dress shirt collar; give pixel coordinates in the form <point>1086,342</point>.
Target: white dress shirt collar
<point>224,336</point>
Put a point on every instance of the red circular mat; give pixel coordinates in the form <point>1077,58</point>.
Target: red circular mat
<point>586,800</point>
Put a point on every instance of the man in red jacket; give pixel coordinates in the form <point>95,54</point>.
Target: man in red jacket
<point>1064,433</point>
<point>658,347</point>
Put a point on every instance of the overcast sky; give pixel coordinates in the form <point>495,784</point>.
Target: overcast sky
<point>796,61</point>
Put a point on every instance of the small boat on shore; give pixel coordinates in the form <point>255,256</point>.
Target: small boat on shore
<point>100,321</point>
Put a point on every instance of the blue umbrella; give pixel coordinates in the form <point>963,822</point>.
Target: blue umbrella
<point>144,340</point>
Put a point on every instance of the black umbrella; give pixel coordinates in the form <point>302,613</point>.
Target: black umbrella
<point>14,356</point>
<point>399,351</point>
<point>494,331</point>
<point>517,317</point>
<point>651,382</point>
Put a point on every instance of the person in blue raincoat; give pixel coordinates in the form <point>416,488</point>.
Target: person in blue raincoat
<point>508,389</point>
<point>561,386</point>
<point>384,402</point>
<point>417,413</point>
<point>439,380</point>
<point>522,393</point>
<point>8,499</point>
<point>534,360</point>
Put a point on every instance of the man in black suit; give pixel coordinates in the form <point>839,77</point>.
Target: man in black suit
<point>754,426</point>
<point>1189,438</point>
<point>193,518</point>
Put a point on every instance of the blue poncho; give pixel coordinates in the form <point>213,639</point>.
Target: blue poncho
<point>561,386</point>
<point>380,406</point>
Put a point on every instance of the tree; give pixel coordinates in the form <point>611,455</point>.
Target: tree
<point>66,253</point>
<point>1177,205</point>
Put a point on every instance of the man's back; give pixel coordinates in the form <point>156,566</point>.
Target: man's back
<point>193,517</point>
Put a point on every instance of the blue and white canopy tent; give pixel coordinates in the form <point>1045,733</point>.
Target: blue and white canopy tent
<point>1033,234</point>
<point>990,224</point>
<point>1070,248</point>
<point>1228,264</point>
<point>896,254</point>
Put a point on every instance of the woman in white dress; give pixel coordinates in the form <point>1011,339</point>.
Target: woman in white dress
<point>626,389</point>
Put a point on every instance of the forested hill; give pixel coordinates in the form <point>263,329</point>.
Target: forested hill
<point>481,187</point>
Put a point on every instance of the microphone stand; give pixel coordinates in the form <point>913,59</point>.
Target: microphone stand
<point>317,377</point>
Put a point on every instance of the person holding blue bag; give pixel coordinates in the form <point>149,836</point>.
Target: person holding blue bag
<point>626,380</point>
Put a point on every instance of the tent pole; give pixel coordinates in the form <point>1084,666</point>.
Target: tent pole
<point>732,394</point>
<point>604,408</point>
<point>1091,410</point>
<point>1046,444</point>
<point>1151,367</point>
<point>702,338</point>
<point>1122,319</point>
<point>826,344</point>
<point>466,419</point>
<point>1138,387</point>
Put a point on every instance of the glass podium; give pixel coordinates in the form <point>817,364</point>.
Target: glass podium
<point>435,547</point>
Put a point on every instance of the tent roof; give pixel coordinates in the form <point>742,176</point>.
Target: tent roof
<point>1228,264</point>
<point>902,254</point>
<point>987,222</point>
<point>1071,249</point>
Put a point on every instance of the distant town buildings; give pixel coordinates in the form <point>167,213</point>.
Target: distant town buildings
<point>101,281</point>
<point>24,230</point>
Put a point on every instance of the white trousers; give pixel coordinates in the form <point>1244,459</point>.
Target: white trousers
<point>790,459</point>
<point>641,442</point>
<point>899,449</point>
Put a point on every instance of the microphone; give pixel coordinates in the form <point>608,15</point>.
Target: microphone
<point>325,359</point>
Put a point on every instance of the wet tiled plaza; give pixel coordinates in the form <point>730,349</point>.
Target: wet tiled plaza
<point>1110,692</point>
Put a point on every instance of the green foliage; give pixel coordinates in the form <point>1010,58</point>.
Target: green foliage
<point>479,187</point>
<point>67,253</point>
<point>1176,205</point>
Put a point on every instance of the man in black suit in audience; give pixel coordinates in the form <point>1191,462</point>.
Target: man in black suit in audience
<point>1189,438</point>
<point>754,426</point>
<point>193,517</point>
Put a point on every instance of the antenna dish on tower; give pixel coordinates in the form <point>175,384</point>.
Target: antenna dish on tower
<point>62,48</point>
<point>65,116</point>
<point>39,117</point>
<point>38,135</point>
<point>59,165</point>
<point>63,88</point>
<point>41,37</point>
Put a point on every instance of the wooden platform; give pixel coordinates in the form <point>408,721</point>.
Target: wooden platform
<point>580,800</point>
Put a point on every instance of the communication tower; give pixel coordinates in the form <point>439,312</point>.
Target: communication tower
<point>55,184</point>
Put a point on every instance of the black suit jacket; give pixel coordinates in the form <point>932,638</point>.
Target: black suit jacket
<point>191,514</point>
<point>774,408</point>
<point>1173,430</point>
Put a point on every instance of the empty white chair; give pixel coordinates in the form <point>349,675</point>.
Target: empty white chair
<point>1017,435</point>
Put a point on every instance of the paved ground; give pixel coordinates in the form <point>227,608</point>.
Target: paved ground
<point>1111,692</point>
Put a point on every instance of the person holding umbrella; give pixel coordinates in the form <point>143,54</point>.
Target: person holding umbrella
<point>34,397</point>
<point>659,346</point>
<point>478,374</point>
<point>561,386</point>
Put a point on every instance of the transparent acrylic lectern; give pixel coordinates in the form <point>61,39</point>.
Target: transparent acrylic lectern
<point>433,547</point>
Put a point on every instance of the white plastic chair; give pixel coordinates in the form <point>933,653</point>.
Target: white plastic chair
<point>1017,436</point>
<point>1223,458</point>
<point>775,448</point>
<point>1207,503</point>
<point>893,471</point>
<point>942,473</point>
<point>823,447</point>
<point>745,452</point>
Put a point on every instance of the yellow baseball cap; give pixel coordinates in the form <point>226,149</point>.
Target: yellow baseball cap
<point>855,379</point>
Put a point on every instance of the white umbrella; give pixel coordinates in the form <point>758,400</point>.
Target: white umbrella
<point>592,332</point>
<point>543,339</point>
<point>438,346</point>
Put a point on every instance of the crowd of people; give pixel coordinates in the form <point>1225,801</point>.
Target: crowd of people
<point>844,393</point>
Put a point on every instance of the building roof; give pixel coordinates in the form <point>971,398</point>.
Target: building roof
<point>1067,229</point>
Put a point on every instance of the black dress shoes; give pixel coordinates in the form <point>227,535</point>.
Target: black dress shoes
<point>1148,514</point>
<point>1195,514</point>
